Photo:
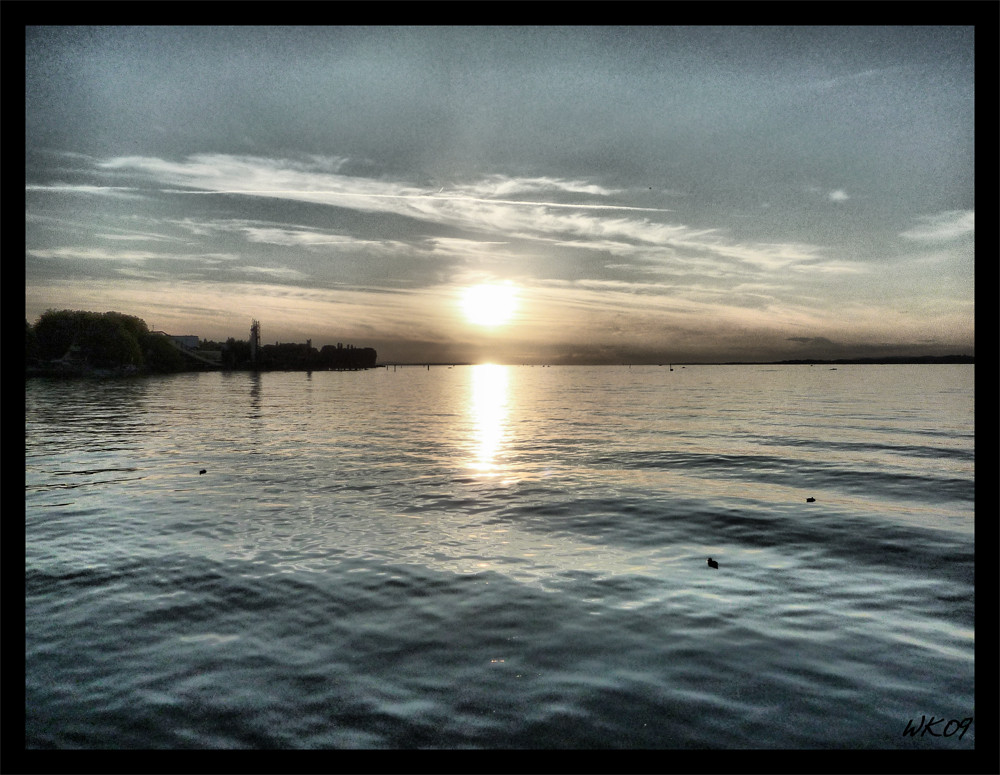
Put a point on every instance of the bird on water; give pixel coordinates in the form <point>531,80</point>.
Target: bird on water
<point>810,500</point>
<point>712,563</point>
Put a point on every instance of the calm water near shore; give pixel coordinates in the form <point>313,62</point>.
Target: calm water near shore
<point>502,557</point>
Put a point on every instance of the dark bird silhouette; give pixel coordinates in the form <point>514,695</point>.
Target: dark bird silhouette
<point>202,471</point>
<point>810,500</point>
<point>712,563</point>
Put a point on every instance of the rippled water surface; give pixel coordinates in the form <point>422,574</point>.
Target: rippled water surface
<point>501,557</point>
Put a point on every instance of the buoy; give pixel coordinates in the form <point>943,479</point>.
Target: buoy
<point>712,563</point>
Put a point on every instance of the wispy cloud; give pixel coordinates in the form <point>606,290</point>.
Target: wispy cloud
<point>283,179</point>
<point>270,233</point>
<point>125,192</point>
<point>282,273</point>
<point>496,186</point>
<point>135,236</point>
<point>253,176</point>
<point>103,254</point>
<point>943,226</point>
<point>822,340</point>
<point>565,215</point>
<point>851,79</point>
<point>91,254</point>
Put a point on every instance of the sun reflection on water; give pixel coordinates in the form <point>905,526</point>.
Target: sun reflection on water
<point>488,411</point>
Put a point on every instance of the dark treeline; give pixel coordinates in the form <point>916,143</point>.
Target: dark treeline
<point>297,357</point>
<point>77,343</point>
<point>72,342</point>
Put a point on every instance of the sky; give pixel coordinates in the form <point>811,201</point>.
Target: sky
<point>630,194</point>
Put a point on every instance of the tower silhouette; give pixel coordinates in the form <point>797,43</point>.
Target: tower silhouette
<point>254,340</point>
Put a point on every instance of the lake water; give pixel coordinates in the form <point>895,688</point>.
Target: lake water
<point>502,557</point>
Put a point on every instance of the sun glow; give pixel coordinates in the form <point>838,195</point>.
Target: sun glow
<point>489,304</point>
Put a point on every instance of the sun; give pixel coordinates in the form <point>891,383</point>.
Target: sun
<point>491,304</point>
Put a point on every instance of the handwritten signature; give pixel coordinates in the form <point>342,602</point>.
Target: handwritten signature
<point>926,727</point>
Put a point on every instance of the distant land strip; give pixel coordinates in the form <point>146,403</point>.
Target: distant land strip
<point>888,360</point>
<point>877,360</point>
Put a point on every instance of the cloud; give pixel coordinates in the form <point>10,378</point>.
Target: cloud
<point>123,192</point>
<point>545,220</point>
<point>130,256</point>
<point>844,80</point>
<point>494,186</point>
<point>282,273</point>
<point>92,254</point>
<point>285,235</point>
<point>135,237</point>
<point>818,340</point>
<point>459,233</point>
<point>948,225</point>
